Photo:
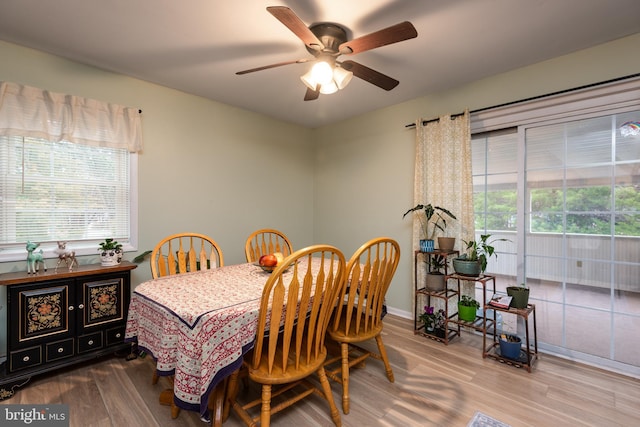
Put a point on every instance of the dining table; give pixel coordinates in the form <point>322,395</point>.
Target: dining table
<point>197,326</point>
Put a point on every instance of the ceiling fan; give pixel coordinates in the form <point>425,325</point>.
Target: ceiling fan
<point>327,41</point>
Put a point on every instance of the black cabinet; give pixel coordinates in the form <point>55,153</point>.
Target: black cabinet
<point>59,319</point>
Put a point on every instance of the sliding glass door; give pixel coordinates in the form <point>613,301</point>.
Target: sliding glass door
<point>567,195</point>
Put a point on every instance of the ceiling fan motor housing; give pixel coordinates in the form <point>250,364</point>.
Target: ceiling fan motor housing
<point>331,36</point>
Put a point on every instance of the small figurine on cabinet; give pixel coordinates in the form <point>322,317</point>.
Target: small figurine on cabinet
<point>33,258</point>
<point>66,255</point>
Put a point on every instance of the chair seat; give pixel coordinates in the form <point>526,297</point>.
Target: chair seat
<point>353,335</point>
<point>277,376</point>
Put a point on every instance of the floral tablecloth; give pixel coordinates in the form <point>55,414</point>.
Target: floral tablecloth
<point>197,326</point>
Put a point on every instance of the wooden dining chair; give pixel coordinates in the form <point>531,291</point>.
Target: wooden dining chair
<point>177,254</point>
<point>185,252</point>
<point>359,317</point>
<point>266,241</point>
<point>297,302</point>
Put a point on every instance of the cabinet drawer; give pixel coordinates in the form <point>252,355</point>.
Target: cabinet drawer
<point>59,350</point>
<point>25,358</point>
<point>90,342</point>
<point>115,335</point>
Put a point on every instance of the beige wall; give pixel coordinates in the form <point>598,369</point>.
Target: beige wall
<point>206,165</point>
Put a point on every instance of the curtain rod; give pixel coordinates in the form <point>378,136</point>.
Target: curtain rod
<point>453,116</point>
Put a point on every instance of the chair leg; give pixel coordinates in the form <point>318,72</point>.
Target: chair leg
<point>344,348</point>
<point>265,411</point>
<point>175,411</point>
<point>385,359</point>
<point>326,387</point>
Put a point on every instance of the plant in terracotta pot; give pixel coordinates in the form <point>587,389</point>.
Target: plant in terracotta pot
<point>519,295</point>
<point>467,308</point>
<point>110,252</point>
<point>432,218</point>
<point>473,262</point>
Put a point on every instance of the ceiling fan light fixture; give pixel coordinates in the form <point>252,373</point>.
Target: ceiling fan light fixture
<point>341,77</point>
<point>329,88</point>
<point>308,80</point>
<point>322,72</point>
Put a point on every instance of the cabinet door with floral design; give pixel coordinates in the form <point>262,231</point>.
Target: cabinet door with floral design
<point>103,301</point>
<point>44,311</point>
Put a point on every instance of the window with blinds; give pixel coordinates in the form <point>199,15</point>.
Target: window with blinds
<point>62,191</point>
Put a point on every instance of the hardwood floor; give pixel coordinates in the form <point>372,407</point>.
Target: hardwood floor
<point>435,385</point>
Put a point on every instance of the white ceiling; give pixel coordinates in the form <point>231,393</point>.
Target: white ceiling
<point>196,46</point>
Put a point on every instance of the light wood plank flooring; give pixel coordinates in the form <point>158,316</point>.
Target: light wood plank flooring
<point>435,385</point>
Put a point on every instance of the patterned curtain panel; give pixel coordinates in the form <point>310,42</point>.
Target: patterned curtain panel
<point>443,174</point>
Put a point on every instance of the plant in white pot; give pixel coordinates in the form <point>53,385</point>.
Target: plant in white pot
<point>110,252</point>
<point>432,218</point>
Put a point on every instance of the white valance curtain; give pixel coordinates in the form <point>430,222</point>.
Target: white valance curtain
<point>443,174</point>
<point>27,111</point>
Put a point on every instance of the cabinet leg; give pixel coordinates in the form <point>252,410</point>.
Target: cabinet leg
<point>7,390</point>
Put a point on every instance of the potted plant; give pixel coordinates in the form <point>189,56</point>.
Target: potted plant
<point>434,280</point>
<point>431,215</point>
<point>110,252</point>
<point>434,321</point>
<point>510,346</point>
<point>473,262</point>
<point>467,308</point>
<point>519,296</point>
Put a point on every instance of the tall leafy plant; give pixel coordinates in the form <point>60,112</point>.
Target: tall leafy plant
<point>431,218</point>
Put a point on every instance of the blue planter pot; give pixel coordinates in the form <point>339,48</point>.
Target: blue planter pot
<point>426,245</point>
<point>509,349</point>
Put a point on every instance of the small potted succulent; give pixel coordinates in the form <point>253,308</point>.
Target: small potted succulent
<point>431,215</point>
<point>110,253</point>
